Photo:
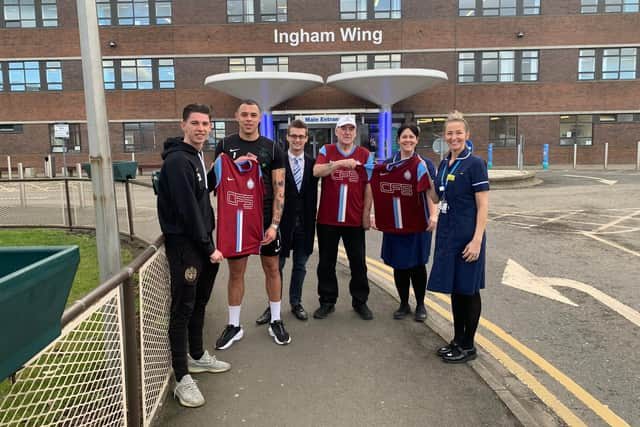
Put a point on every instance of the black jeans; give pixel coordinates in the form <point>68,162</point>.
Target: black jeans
<point>353,240</point>
<point>192,277</point>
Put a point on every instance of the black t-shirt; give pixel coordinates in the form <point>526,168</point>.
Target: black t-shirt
<point>270,156</point>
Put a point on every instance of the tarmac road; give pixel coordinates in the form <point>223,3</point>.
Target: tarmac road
<point>578,229</point>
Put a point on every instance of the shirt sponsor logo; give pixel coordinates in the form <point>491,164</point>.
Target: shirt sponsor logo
<point>345,175</point>
<point>396,187</point>
<point>245,201</point>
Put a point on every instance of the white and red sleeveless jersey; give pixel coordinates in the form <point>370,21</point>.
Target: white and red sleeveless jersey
<point>342,196</point>
<point>399,198</point>
<point>240,194</point>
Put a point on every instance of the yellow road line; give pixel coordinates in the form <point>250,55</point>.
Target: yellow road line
<point>544,394</point>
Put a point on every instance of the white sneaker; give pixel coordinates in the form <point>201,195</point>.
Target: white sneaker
<point>187,393</point>
<point>207,363</point>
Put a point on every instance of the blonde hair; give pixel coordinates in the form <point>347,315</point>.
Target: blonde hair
<point>456,116</point>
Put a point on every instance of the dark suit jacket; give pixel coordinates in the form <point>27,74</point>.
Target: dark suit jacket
<point>308,196</point>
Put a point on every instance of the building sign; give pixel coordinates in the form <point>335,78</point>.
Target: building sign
<point>61,130</point>
<point>319,119</point>
<point>345,34</point>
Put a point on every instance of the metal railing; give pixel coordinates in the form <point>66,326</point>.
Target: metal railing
<point>111,365</point>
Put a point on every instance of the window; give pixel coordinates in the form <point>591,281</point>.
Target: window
<point>431,131</point>
<point>24,76</point>
<point>503,131</point>
<point>608,64</point>
<point>54,75</point>
<point>218,132</point>
<point>498,66</point>
<point>133,12</point>
<point>1,76</point>
<point>11,128</point>
<point>576,129</point>
<point>498,7</point>
<point>609,6</point>
<point>29,13</point>
<point>370,9</point>
<point>244,11</point>
<point>619,118</point>
<point>260,63</point>
<point>139,137</point>
<point>141,73</point>
<point>65,138</point>
<point>370,62</point>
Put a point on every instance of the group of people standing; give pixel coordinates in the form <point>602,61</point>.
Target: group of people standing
<point>267,201</point>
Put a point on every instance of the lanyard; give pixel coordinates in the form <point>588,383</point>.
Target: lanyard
<point>444,181</point>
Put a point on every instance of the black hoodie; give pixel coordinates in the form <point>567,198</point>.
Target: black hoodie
<point>184,207</point>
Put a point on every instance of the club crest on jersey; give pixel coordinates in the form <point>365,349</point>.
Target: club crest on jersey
<point>250,184</point>
<point>407,175</point>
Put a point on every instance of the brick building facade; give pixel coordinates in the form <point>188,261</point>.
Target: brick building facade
<point>540,71</point>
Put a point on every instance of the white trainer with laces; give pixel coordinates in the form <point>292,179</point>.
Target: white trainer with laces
<point>188,393</point>
<point>207,363</point>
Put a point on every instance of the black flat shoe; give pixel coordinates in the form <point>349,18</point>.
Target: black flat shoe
<point>446,349</point>
<point>299,311</point>
<point>460,355</point>
<point>402,311</point>
<point>421,313</point>
<point>264,317</point>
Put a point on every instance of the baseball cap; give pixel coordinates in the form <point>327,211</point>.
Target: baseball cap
<point>346,120</point>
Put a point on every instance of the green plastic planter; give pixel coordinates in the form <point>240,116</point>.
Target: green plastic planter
<point>122,169</point>
<point>34,287</point>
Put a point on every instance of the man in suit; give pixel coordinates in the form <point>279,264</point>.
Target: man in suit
<point>298,223</point>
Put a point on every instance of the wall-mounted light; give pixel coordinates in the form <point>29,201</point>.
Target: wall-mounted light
<point>113,43</point>
<point>520,34</point>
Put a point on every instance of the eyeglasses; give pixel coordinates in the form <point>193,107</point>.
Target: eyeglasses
<point>293,136</point>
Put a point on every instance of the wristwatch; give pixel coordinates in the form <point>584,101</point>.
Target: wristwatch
<point>274,226</point>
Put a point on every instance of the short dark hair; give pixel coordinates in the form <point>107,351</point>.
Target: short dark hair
<point>298,124</point>
<point>411,126</point>
<point>195,108</point>
<point>249,102</point>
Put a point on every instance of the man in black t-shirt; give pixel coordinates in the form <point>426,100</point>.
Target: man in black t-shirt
<point>248,143</point>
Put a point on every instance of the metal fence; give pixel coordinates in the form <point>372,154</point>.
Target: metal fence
<point>111,364</point>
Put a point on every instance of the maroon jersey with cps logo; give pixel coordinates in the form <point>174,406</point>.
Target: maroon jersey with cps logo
<point>240,194</point>
<point>399,198</point>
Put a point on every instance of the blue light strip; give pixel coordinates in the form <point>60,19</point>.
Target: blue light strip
<point>381,150</point>
<point>266,125</point>
<point>388,130</point>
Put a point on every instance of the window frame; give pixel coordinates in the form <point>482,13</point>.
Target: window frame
<point>74,140</point>
<point>239,64</point>
<point>575,121</point>
<point>141,129</point>
<point>112,73</point>
<point>365,10</point>
<point>480,62</point>
<point>506,140</point>
<point>520,8</point>
<point>597,71</point>
<point>114,17</point>
<point>39,19</point>
<point>217,133</point>
<point>253,12</point>
<point>372,61</point>
<point>609,6</point>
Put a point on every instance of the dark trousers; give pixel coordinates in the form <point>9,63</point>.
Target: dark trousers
<point>417,276</point>
<point>192,277</point>
<point>299,269</point>
<point>353,239</point>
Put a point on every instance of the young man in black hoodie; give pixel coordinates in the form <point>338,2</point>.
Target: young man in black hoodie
<point>187,222</point>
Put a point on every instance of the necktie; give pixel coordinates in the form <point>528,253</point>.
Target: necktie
<point>297,172</point>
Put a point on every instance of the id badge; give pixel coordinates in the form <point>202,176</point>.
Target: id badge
<point>444,207</point>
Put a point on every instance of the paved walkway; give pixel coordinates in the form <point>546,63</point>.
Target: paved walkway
<point>340,371</point>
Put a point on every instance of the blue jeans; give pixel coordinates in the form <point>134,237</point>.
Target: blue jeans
<point>299,269</point>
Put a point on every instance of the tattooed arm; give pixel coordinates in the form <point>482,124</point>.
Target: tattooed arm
<point>277,179</point>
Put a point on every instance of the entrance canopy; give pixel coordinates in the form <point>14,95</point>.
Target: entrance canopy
<point>388,86</point>
<point>268,88</point>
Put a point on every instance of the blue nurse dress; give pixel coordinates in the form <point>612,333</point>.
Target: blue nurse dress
<point>450,272</point>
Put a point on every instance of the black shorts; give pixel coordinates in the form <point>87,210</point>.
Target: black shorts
<point>273,248</point>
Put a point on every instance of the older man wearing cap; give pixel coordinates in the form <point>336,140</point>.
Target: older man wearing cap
<point>345,205</point>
